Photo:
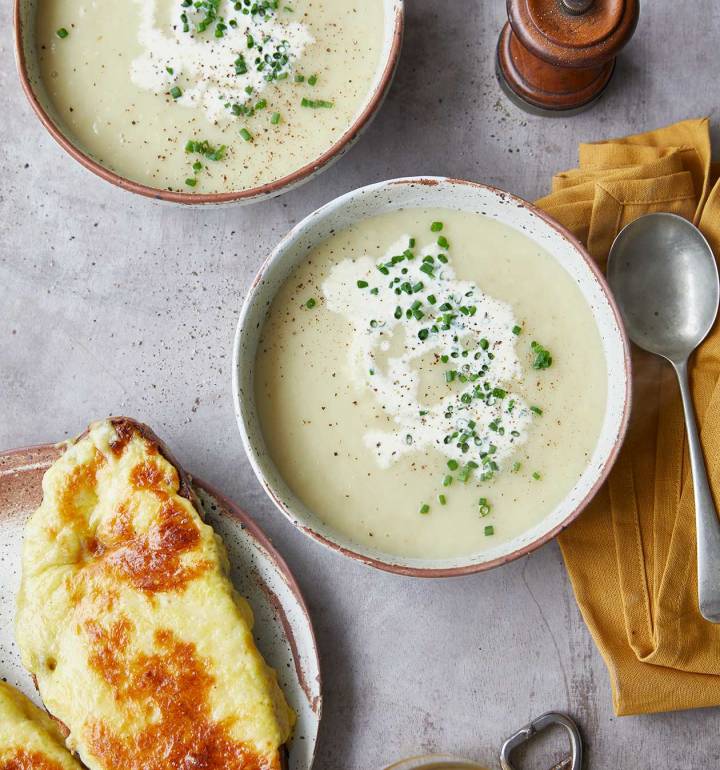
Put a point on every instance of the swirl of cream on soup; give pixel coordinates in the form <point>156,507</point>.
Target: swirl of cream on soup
<point>217,67</point>
<point>409,314</point>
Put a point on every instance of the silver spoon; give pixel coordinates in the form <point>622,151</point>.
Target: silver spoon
<point>665,279</point>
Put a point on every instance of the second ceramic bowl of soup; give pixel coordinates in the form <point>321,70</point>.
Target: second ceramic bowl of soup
<point>431,376</point>
<point>210,101</point>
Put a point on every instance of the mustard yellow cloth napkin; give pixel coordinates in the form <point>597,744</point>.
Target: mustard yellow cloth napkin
<point>631,555</point>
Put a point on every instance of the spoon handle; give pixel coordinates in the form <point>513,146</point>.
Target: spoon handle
<point>706,517</point>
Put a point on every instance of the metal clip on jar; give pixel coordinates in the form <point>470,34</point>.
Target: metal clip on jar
<point>556,57</point>
<point>527,733</point>
<point>523,735</point>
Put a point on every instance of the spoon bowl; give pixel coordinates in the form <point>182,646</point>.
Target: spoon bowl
<point>665,279</point>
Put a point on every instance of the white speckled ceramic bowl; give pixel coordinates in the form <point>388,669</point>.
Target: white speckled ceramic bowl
<point>435,192</point>
<point>24,17</point>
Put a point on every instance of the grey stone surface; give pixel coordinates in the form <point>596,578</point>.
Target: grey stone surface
<point>113,304</point>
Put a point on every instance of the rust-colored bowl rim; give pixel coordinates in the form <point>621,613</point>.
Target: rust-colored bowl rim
<point>268,190</point>
<point>603,473</point>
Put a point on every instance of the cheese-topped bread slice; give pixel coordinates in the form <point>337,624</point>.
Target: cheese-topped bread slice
<point>29,739</point>
<point>127,619</point>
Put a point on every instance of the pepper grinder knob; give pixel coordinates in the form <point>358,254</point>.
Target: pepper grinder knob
<point>556,57</point>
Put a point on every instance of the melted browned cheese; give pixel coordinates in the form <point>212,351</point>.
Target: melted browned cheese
<point>29,740</point>
<point>29,760</point>
<point>139,643</point>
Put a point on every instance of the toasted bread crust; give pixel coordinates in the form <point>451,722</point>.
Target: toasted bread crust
<point>126,426</point>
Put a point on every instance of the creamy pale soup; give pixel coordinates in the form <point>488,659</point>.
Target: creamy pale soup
<point>430,383</point>
<point>208,96</point>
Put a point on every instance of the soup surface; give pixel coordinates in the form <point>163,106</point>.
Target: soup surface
<point>208,96</point>
<point>430,383</point>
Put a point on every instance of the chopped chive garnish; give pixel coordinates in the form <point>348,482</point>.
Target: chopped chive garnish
<point>536,475</point>
<point>170,70</point>
<point>484,506</point>
<point>489,530</point>
<point>312,80</point>
<point>452,464</point>
<point>362,284</point>
<point>310,304</point>
<point>442,499</point>
<point>542,359</point>
<point>424,508</point>
<point>536,410</point>
<point>197,165</point>
<point>516,467</point>
<point>516,329</point>
<point>206,149</point>
<point>62,33</point>
<point>447,481</point>
<point>275,119</point>
<point>246,135</point>
<point>427,268</point>
<point>175,92</point>
<point>240,65</point>
<point>442,242</point>
<point>316,104</point>
<point>299,78</point>
<point>423,334</point>
<point>191,182</point>
<point>436,227</point>
<point>466,472</point>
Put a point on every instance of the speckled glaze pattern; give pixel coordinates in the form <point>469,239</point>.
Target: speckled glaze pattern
<point>283,630</point>
<point>24,13</point>
<point>434,192</point>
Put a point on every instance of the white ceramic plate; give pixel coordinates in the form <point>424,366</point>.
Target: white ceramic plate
<point>434,192</point>
<point>283,630</point>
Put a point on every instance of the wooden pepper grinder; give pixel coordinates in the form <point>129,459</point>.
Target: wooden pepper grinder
<point>556,57</point>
